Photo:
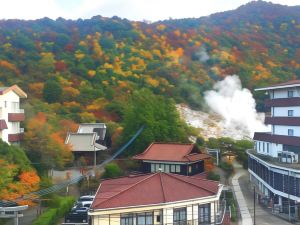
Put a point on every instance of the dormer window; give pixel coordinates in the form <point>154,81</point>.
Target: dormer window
<point>290,94</point>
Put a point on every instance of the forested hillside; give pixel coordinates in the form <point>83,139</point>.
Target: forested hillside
<point>93,70</point>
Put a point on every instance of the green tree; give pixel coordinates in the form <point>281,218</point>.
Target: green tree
<point>52,91</point>
<point>159,116</point>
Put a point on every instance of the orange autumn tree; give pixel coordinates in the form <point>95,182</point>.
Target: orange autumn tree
<point>43,144</point>
<point>17,177</point>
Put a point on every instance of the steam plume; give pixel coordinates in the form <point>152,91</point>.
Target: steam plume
<point>202,54</point>
<point>236,105</point>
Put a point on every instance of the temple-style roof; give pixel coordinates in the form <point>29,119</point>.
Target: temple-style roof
<point>171,152</point>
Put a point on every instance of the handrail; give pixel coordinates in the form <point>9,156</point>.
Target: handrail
<point>56,187</point>
<point>224,211</point>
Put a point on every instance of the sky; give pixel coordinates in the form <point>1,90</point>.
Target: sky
<point>150,10</point>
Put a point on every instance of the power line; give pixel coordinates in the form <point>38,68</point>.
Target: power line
<point>56,187</point>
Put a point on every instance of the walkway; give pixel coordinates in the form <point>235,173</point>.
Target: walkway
<point>244,195</point>
<point>245,214</point>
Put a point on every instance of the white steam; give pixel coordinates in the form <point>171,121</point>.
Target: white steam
<point>236,105</point>
<point>202,54</point>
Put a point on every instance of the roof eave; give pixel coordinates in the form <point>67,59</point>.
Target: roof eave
<point>277,87</point>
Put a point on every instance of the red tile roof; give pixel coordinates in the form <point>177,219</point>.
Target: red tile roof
<point>171,152</point>
<point>154,188</point>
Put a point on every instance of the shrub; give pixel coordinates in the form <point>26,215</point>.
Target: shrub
<point>213,176</point>
<point>112,170</point>
<point>49,217</point>
<point>58,207</point>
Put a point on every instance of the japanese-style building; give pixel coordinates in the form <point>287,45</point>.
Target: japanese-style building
<point>156,199</point>
<point>274,163</point>
<point>88,142</point>
<point>184,159</point>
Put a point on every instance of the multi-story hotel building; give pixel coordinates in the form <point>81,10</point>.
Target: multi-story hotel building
<point>10,114</point>
<point>274,164</point>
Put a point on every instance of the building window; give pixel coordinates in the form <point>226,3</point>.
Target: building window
<point>167,168</point>
<point>204,214</point>
<point>172,168</point>
<point>179,216</point>
<point>127,219</point>
<point>5,104</point>
<point>15,106</point>
<point>290,132</point>
<point>156,167</point>
<point>263,146</point>
<point>177,169</point>
<point>290,94</point>
<point>268,146</point>
<point>259,146</point>
<point>190,169</point>
<point>152,167</point>
<point>158,218</point>
<point>290,112</point>
<point>144,218</point>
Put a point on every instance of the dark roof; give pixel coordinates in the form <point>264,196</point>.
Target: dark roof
<point>154,188</point>
<point>171,152</point>
<point>290,83</point>
<point>278,139</point>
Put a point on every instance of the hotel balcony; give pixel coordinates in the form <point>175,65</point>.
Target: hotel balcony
<point>16,137</point>
<point>16,116</point>
<point>273,161</point>
<point>277,139</point>
<point>282,102</point>
<point>285,121</point>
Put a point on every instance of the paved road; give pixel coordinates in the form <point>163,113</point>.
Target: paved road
<point>263,216</point>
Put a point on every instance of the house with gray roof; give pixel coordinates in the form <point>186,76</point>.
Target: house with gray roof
<point>88,140</point>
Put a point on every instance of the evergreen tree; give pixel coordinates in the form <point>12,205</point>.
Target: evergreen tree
<point>52,91</point>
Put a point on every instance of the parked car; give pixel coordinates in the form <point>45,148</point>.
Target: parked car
<point>86,198</point>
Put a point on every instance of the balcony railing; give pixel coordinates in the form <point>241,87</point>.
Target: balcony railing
<point>16,116</point>
<point>288,121</point>
<point>15,137</point>
<point>272,160</point>
<point>278,139</point>
<point>281,102</point>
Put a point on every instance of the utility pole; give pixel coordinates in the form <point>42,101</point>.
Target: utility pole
<point>254,198</point>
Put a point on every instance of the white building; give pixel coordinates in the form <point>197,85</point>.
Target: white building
<point>157,198</point>
<point>10,114</point>
<point>274,164</point>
